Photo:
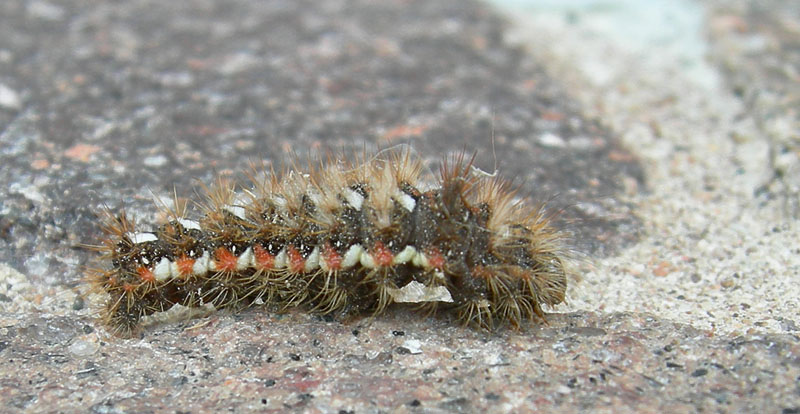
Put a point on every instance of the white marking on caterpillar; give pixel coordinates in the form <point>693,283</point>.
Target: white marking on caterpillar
<point>353,198</point>
<point>352,256</point>
<point>367,260</point>
<point>312,261</point>
<point>280,259</point>
<point>323,264</point>
<point>236,210</point>
<point>406,255</point>
<point>174,270</point>
<point>202,265</point>
<point>406,201</point>
<point>139,238</point>
<point>245,260</point>
<point>420,260</point>
<point>162,270</point>
<point>280,203</point>
<point>189,224</point>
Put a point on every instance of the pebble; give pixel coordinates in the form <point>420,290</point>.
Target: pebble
<point>155,161</point>
<point>414,346</point>
<point>83,348</point>
<point>9,98</point>
<point>551,140</point>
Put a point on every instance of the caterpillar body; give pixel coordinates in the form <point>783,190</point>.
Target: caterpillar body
<point>344,239</point>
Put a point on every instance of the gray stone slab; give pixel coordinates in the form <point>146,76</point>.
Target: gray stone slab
<point>105,104</point>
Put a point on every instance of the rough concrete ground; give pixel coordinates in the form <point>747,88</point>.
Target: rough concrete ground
<point>719,253</point>
<point>690,306</point>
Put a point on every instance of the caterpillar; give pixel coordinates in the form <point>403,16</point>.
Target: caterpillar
<point>342,238</point>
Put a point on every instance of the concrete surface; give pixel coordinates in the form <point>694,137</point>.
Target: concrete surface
<point>672,181</point>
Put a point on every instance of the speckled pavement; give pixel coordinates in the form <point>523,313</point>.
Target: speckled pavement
<point>686,237</point>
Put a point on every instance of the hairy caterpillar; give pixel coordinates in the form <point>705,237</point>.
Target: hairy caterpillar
<point>343,238</point>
